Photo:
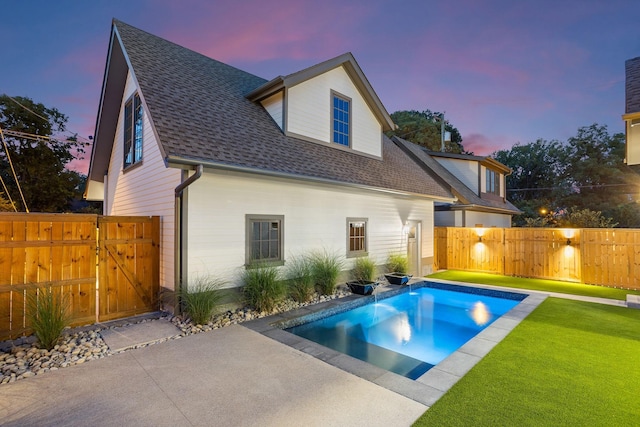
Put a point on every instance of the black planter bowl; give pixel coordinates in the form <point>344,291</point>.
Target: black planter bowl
<point>397,278</point>
<point>362,287</point>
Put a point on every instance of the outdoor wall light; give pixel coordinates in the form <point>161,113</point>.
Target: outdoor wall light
<point>568,242</point>
<point>479,238</point>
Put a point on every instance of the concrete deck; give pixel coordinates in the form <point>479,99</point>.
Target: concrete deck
<point>227,377</point>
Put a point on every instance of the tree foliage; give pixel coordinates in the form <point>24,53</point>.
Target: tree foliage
<point>424,128</point>
<point>38,157</point>
<point>583,181</point>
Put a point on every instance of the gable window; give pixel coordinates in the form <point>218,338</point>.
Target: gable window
<point>132,131</point>
<point>493,182</point>
<point>264,238</point>
<point>356,237</point>
<point>341,119</point>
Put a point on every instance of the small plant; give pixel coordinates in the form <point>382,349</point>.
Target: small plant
<point>325,268</point>
<point>262,287</point>
<point>364,270</point>
<point>398,263</point>
<point>47,312</point>
<point>200,299</point>
<point>300,279</point>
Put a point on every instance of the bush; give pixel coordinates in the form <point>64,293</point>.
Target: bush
<point>262,287</point>
<point>300,279</point>
<point>200,299</point>
<point>364,270</point>
<point>47,312</point>
<point>398,263</point>
<point>325,268</point>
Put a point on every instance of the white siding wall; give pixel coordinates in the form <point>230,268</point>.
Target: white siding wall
<point>314,218</point>
<point>633,144</point>
<point>487,219</point>
<point>309,111</point>
<point>273,105</point>
<point>448,218</point>
<point>147,189</point>
<point>464,170</point>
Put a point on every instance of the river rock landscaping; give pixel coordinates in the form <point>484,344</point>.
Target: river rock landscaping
<point>80,345</point>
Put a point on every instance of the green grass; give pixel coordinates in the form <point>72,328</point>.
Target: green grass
<point>534,284</point>
<point>568,363</point>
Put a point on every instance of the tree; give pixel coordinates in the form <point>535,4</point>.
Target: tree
<point>537,170</point>
<point>424,128</point>
<point>586,173</point>
<point>38,156</point>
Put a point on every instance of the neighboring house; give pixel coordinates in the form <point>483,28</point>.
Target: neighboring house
<point>632,110</point>
<point>477,182</point>
<point>241,169</point>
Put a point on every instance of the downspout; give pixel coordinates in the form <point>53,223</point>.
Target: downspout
<point>179,223</point>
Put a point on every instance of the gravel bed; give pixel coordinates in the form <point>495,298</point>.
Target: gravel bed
<point>85,344</point>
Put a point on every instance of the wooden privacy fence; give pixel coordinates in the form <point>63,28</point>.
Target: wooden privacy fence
<point>104,267</point>
<point>607,257</point>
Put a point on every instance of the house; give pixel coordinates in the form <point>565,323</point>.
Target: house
<point>479,184</point>
<point>242,169</point>
<point>632,110</point>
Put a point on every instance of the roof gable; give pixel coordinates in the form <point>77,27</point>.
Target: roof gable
<point>352,68</point>
<point>200,114</point>
<point>466,196</point>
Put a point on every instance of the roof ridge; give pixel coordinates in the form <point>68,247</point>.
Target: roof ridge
<point>116,22</point>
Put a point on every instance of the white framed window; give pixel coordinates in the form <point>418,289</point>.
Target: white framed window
<point>264,239</point>
<point>132,131</point>
<point>357,237</point>
<point>340,119</point>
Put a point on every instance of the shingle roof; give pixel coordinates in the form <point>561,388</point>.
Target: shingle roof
<point>200,112</point>
<point>465,195</point>
<point>632,85</point>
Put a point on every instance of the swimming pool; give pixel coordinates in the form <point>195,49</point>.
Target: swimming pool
<point>413,331</point>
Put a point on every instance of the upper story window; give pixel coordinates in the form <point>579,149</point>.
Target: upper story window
<point>493,182</point>
<point>341,119</point>
<point>132,131</point>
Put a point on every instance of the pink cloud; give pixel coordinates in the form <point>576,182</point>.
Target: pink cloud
<point>231,31</point>
<point>482,145</point>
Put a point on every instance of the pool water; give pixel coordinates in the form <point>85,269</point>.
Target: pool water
<point>411,332</point>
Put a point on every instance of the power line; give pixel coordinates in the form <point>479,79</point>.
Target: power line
<point>572,186</point>
<point>15,176</point>
<point>38,115</point>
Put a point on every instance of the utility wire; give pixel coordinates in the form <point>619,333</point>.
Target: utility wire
<point>37,115</point>
<point>571,186</point>
<point>15,176</point>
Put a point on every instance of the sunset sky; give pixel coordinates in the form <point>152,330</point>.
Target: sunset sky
<point>503,71</point>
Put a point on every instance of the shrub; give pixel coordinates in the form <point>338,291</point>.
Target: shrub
<point>364,269</point>
<point>300,279</point>
<point>262,287</point>
<point>325,268</point>
<point>200,299</point>
<point>47,312</point>
<point>398,263</point>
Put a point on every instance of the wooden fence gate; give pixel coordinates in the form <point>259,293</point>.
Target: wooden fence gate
<point>105,267</point>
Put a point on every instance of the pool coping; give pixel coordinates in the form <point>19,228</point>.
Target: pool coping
<point>429,387</point>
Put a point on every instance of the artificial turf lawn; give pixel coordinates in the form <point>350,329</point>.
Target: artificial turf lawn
<point>535,284</point>
<point>567,363</point>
